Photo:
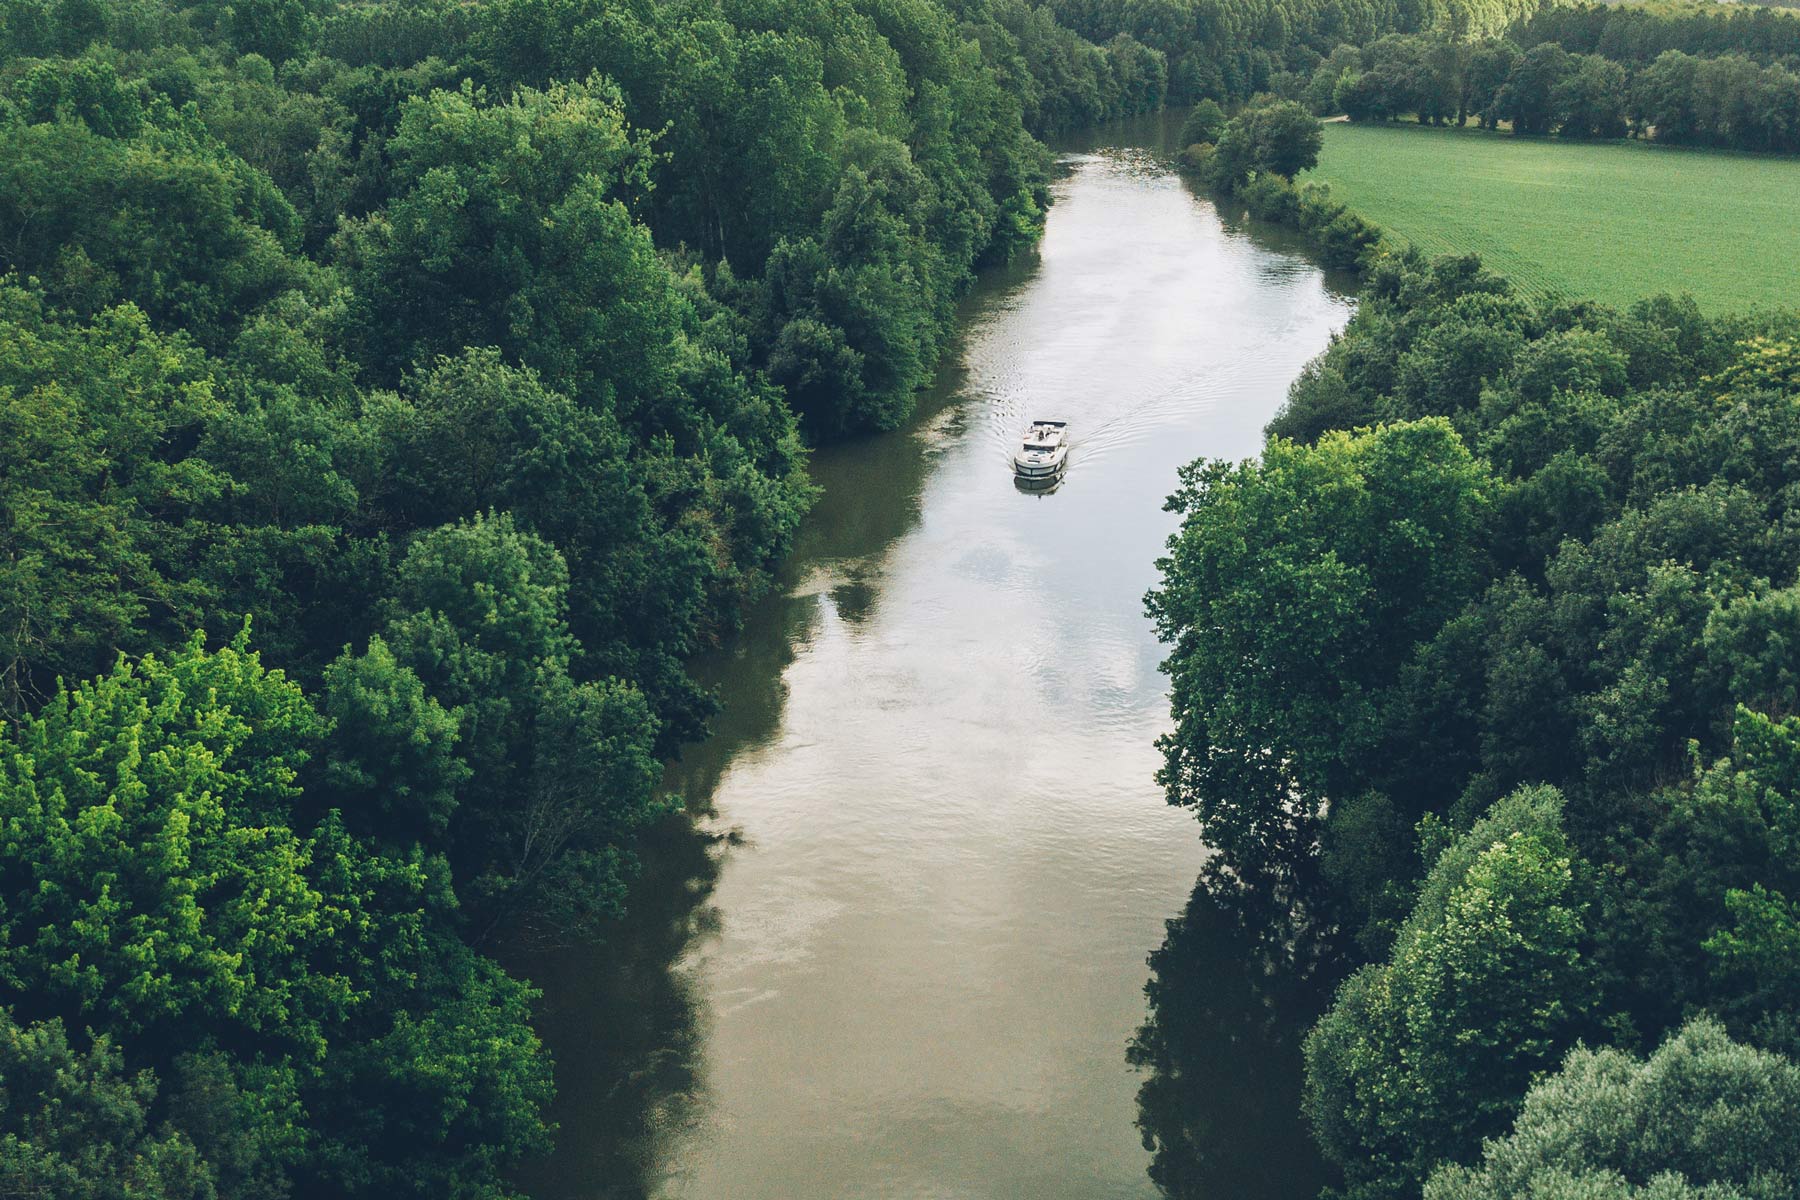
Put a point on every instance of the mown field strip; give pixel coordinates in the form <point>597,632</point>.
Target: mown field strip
<point>1614,221</point>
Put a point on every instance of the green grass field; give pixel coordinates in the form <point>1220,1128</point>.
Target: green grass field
<point>1614,221</point>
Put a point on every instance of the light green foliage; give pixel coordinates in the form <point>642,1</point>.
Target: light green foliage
<point>1426,1053</point>
<point>155,890</point>
<point>1703,1117</point>
<point>162,888</point>
<point>150,872</point>
<point>1614,222</point>
<point>1762,364</point>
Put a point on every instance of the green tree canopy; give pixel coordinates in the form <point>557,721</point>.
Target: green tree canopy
<point>102,210</point>
<point>1423,1055</point>
<point>102,491</point>
<point>1292,593</point>
<point>559,773</point>
<point>77,1124</point>
<point>1204,123</point>
<point>1278,137</point>
<point>1703,1117</point>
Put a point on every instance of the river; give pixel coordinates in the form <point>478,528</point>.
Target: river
<point>901,948</point>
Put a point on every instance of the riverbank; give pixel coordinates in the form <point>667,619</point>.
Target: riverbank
<point>901,946</point>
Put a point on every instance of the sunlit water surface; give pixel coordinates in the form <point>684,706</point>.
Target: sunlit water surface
<point>903,949</point>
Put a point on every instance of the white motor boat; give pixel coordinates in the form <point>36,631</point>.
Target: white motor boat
<point>1044,453</point>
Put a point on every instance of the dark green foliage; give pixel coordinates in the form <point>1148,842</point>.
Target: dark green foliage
<point>1640,32</point>
<point>87,90</point>
<point>1343,240</point>
<point>1423,1055</point>
<point>559,773</point>
<point>463,354</point>
<point>106,208</point>
<point>1204,123</point>
<point>393,762</point>
<point>509,229</point>
<point>1066,81</point>
<point>851,166</point>
<point>1726,870</point>
<point>1618,613</point>
<point>101,491</point>
<point>1591,101</point>
<point>1229,50</point>
<point>1232,989</point>
<point>75,1124</point>
<point>1276,137</point>
<point>1310,573</point>
<point>859,309</point>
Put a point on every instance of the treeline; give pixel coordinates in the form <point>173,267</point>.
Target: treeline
<point>395,397</point>
<point>1639,33</point>
<point>1484,673</point>
<point>1727,101</point>
<point>1230,50</point>
<point>1063,80</point>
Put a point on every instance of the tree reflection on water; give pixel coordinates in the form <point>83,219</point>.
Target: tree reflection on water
<point>1233,989</point>
<point>622,1023</point>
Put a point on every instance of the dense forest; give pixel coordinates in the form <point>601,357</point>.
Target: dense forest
<point>396,396</point>
<point>1638,33</point>
<point>1484,679</point>
<point>1729,101</point>
<point>399,395</point>
<point>1232,49</point>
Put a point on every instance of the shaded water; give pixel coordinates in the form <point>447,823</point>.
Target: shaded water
<point>902,950</point>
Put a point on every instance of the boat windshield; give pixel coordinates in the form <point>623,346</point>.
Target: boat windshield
<point>1035,446</point>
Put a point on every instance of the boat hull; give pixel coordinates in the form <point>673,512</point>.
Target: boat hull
<point>1047,469</point>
